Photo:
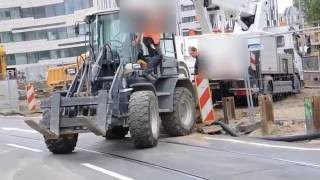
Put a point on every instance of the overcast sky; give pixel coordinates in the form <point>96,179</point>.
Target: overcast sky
<point>283,4</point>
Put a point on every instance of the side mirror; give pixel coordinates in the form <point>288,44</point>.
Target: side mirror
<point>77,29</point>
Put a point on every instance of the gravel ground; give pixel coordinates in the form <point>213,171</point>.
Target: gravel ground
<point>288,112</point>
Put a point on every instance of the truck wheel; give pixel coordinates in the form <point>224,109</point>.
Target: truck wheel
<point>183,70</point>
<point>64,145</point>
<point>117,132</point>
<point>181,121</point>
<point>144,120</point>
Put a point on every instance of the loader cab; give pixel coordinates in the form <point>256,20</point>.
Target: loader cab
<point>105,32</point>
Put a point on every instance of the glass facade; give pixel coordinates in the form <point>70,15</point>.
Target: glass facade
<point>35,57</point>
<point>67,7</point>
<point>48,34</point>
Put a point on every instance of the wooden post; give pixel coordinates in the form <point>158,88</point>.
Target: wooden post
<point>267,114</point>
<point>312,113</point>
<point>229,109</point>
<point>316,113</point>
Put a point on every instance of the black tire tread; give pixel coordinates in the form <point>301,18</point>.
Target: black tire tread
<point>64,145</point>
<point>139,118</point>
<point>170,121</point>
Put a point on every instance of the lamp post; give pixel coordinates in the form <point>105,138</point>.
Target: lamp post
<point>301,16</point>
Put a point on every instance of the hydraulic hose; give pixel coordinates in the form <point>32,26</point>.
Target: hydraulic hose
<point>226,128</point>
<point>295,138</point>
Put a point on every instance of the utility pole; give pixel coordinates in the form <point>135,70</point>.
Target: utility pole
<point>302,23</point>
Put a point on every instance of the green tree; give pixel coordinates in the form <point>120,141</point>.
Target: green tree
<point>311,9</point>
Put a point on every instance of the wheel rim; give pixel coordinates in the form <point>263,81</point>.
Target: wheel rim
<point>185,113</point>
<point>183,73</point>
<point>154,122</point>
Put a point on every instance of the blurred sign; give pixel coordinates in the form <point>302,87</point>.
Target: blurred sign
<point>224,57</point>
<point>154,16</point>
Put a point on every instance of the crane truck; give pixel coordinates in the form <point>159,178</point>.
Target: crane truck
<point>275,65</point>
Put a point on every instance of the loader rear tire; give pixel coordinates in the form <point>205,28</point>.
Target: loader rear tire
<point>181,121</point>
<point>64,145</point>
<point>144,119</point>
<point>117,132</point>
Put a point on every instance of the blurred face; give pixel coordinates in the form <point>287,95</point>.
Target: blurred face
<point>193,53</point>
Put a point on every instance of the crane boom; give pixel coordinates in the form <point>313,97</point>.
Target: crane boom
<point>244,12</point>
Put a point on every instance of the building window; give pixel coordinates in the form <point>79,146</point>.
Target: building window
<point>21,58</point>
<point>52,34</point>
<point>11,59</point>
<point>15,13</point>
<point>27,12</point>
<point>280,41</point>
<point>39,12</point>
<point>62,33</point>
<point>188,19</point>
<point>50,10</point>
<point>71,32</point>
<point>44,55</point>
<point>310,64</point>
<point>4,14</point>
<point>86,4</point>
<point>17,37</point>
<point>6,37</point>
<point>187,7</point>
<point>59,9</point>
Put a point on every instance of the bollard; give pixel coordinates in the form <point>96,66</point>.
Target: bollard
<point>31,98</point>
<point>229,109</point>
<point>267,114</point>
<point>312,114</point>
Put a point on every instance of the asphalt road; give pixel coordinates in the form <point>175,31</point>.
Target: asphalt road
<point>23,155</point>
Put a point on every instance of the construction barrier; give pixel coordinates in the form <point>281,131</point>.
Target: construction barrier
<point>31,98</point>
<point>204,99</point>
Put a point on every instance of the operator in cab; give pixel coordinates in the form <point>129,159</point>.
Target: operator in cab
<point>149,63</point>
<point>152,42</point>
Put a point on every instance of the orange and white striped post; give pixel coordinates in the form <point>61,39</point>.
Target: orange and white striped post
<point>31,98</point>
<point>205,99</point>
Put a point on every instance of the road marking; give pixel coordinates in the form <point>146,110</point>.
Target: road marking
<point>19,130</point>
<point>271,146</point>
<point>107,172</point>
<point>262,144</point>
<point>24,147</point>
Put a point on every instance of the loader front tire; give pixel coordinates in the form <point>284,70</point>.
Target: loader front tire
<point>144,119</point>
<point>64,145</point>
<point>181,121</point>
